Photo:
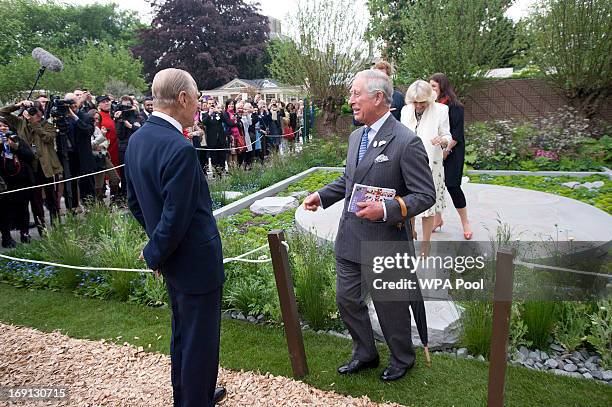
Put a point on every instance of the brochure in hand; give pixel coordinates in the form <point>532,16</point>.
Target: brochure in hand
<point>366,193</point>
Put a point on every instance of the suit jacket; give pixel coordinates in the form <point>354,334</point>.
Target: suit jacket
<point>407,171</point>
<point>168,194</point>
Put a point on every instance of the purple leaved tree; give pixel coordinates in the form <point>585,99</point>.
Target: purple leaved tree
<point>215,40</point>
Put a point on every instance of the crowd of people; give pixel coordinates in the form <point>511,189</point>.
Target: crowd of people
<point>50,139</point>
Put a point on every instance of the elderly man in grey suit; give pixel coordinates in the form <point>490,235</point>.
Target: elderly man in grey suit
<point>404,168</point>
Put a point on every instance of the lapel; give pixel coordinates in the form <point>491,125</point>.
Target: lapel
<point>353,148</point>
<point>161,122</point>
<point>385,133</point>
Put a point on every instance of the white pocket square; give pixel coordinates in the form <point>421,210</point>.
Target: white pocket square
<point>381,159</point>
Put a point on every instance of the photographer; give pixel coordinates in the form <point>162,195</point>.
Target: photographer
<point>215,136</point>
<point>126,123</point>
<point>81,159</point>
<point>99,146</point>
<point>16,171</point>
<point>106,120</point>
<point>40,135</point>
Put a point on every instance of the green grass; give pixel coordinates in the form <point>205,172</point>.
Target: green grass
<point>449,382</point>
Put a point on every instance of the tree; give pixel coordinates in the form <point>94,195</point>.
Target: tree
<point>461,38</point>
<point>387,24</point>
<point>90,66</point>
<point>215,40</point>
<point>26,24</point>
<point>571,45</point>
<point>325,53</point>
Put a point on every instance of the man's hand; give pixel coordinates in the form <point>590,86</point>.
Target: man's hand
<point>371,211</point>
<point>118,114</point>
<point>25,104</point>
<point>141,258</point>
<point>312,202</point>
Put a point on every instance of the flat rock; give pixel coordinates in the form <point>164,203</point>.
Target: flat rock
<point>552,363</point>
<point>557,348</point>
<point>570,367</point>
<point>299,194</point>
<point>274,205</point>
<point>607,375</point>
<point>462,352</point>
<point>232,194</point>
<point>571,184</point>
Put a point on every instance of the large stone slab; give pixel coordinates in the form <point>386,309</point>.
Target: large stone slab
<point>443,326</point>
<point>273,205</point>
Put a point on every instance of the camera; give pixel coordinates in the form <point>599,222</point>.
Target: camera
<point>58,107</point>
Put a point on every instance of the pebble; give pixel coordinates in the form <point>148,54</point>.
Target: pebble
<point>462,352</point>
<point>557,348</point>
<point>607,375</point>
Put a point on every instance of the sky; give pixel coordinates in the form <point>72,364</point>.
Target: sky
<point>279,8</point>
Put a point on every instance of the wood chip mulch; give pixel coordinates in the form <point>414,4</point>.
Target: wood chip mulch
<point>99,373</point>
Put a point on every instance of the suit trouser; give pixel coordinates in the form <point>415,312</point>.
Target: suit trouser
<point>394,318</point>
<point>194,347</point>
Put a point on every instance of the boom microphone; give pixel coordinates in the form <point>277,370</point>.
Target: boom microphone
<point>47,60</point>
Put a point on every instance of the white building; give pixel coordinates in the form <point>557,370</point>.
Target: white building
<point>248,88</point>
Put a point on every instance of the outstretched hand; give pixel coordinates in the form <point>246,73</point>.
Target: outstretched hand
<point>312,202</point>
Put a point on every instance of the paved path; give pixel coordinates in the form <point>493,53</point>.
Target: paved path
<point>533,216</point>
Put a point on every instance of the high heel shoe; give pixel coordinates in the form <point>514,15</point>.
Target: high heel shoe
<point>438,226</point>
<point>468,235</point>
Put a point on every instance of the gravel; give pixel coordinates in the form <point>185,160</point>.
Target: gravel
<point>99,373</point>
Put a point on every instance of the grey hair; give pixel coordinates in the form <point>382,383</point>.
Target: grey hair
<point>376,80</point>
<point>169,83</point>
<point>420,91</point>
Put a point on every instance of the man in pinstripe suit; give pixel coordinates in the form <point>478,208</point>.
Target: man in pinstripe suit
<point>383,153</point>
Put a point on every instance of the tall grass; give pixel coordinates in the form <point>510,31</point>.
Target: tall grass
<point>313,268</point>
<point>540,318</point>
<point>121,249</point>
<point>477,320</point>
<point>63,245</point>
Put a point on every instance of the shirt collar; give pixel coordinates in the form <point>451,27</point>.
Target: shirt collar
<point>169,119</point>
<point>375,127</point>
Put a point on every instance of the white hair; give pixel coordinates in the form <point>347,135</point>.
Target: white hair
<point>375,81</point>
<point>169,83</point>
<point>420,91</point>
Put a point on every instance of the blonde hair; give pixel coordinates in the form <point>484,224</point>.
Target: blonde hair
<point>420,91</point>
<point>169,83</point>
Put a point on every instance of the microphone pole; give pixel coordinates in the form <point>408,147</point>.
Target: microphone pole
<point>40,73</point>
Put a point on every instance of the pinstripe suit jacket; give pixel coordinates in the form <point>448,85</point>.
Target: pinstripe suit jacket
<point>407,171</point>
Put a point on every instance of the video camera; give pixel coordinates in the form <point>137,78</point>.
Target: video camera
<point>57,107</point>
<point>127,112</point>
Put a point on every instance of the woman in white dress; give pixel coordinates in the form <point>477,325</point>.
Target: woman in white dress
<point>429,120</point>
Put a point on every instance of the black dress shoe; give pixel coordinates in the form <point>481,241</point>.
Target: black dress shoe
<point>220,394</point>
<point>394,373</point>
<point>355,366</point>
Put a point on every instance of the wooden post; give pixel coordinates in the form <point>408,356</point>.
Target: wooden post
<point>502,303</point>
<point>284,285</point>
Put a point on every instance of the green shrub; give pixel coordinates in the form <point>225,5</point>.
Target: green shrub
<point>573,324</point>
<point>151,292</point>
<point>601,331</point>
<point>518,328</point>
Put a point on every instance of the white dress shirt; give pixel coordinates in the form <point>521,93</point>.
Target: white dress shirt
<point>169,119</point>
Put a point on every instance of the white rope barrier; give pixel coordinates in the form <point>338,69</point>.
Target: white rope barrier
<point>240,258</point>
<point>60,181</point>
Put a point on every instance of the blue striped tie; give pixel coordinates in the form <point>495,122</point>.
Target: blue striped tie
<point>363,147</point>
